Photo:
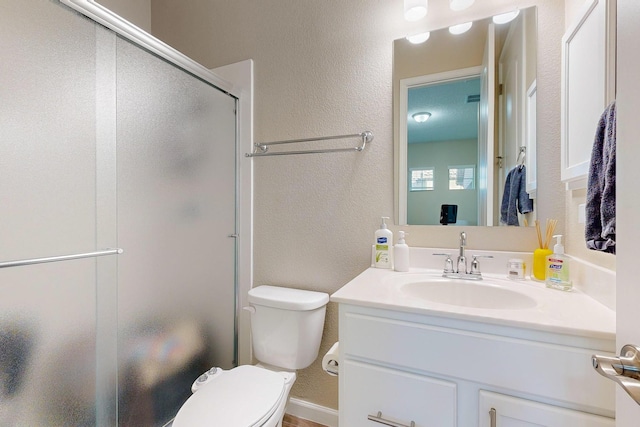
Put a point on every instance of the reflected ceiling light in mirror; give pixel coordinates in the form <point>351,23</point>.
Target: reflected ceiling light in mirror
<point>506,17</point>
<point>415,9</point>
<point>460,4</point>
<point>460,28</point>
<point>421,117</point>
<point>419,38</point>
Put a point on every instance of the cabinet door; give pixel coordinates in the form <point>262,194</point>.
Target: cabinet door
<point>515,412</point>
<point>588,85</point>
<point>398,396</point>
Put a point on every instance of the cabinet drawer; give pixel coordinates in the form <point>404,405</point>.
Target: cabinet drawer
<point>559,372</point>
<point>400,396</point>
<point>514,412</point>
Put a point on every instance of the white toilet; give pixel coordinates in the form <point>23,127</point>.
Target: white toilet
<point>286,329</point>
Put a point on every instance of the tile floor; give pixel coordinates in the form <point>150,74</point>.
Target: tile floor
<point>291,421</point>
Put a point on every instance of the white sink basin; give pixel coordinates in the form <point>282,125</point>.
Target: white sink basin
<point>493,300</point>
<point>467,293</point>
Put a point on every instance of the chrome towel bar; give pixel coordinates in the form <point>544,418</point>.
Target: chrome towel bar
<point>59,258</point>
<point>261,149</point>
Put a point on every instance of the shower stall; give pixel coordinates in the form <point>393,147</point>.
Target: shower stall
<point>103,146</point>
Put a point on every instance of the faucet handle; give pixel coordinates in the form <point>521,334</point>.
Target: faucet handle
<point>448,263</point>
<point>475,264</point>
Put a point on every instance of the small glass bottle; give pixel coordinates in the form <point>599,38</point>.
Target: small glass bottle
<point>516,269</point>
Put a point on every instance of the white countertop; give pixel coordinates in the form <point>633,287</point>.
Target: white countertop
<point>573,313</point>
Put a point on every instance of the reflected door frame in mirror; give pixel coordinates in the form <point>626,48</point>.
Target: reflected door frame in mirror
<point>405,86</point>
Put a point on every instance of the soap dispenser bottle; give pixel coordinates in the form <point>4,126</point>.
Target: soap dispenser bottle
<point>401,254</point>
<point>557,271</point>
<point>383,245</point>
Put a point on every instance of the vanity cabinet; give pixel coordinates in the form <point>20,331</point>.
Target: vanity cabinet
<point>507,411</point>
<point>373,388</point>
<point>441,371</point>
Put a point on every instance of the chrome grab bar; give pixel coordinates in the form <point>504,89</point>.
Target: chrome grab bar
<point>261,148</point>
<point>31,261</point>
<point>378,419</point>
<point>625,370</point>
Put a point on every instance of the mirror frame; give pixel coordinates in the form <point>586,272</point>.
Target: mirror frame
<point>400,179</point>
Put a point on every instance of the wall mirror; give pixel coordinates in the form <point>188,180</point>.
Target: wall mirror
<point>465,124</point>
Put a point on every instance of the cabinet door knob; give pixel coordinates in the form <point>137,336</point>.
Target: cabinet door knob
<point>378,419</point>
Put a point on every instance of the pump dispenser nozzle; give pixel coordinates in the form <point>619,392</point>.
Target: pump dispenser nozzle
<point>384,224</point>
<point>558,248</point>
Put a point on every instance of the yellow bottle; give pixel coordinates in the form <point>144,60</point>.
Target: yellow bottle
<point>540,263</point>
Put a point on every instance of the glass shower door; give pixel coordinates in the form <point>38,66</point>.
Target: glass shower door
<point>47,208</point>
<point>103,144</point>
<point>176,300</point>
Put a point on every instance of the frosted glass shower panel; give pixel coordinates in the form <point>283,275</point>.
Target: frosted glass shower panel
<point>47,130</point>
<point>47,344</point>
<point>48,208</point>
<point>176,210</point>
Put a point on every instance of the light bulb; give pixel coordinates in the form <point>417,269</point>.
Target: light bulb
<point>415,9</point>
<point>421,117</point>
<point>506,17</point>
<point>460,4</point>
<point>460,28</point>
<point>419,38</point>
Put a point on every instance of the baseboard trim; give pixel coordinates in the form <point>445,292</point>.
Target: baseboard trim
<point>312,412</point>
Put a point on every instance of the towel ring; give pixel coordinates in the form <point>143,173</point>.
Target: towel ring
<point>522,152</point>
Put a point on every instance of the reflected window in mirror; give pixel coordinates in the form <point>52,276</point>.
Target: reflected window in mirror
<point>462,177</point>
<point>421,179</point>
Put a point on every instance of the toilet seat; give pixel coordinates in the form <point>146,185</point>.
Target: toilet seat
<point>245,396</point>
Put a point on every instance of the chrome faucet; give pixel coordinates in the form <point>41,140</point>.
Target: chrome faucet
<point>462,259</point>
<point>461,270</point>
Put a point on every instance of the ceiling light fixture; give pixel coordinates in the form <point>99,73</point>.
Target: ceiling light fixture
<point>460,28</point>
<point>460,4</point>
<point>506,17</point>
<point>419,38</point>
<point>421,117</point>
<point>415,9</point>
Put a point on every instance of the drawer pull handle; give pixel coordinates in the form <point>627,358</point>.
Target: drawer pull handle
<point>378,419</point>
<point>492,417</point>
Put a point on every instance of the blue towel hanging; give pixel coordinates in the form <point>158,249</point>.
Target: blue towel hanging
<point>600,227</point>
<point>515,197</point>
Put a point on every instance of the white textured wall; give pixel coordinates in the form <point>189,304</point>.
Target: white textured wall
<point>324,68</point>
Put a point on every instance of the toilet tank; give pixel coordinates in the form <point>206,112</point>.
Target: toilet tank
<point>286,325</point>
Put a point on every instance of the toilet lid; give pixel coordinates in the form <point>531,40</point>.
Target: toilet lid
<point>245,396</point>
